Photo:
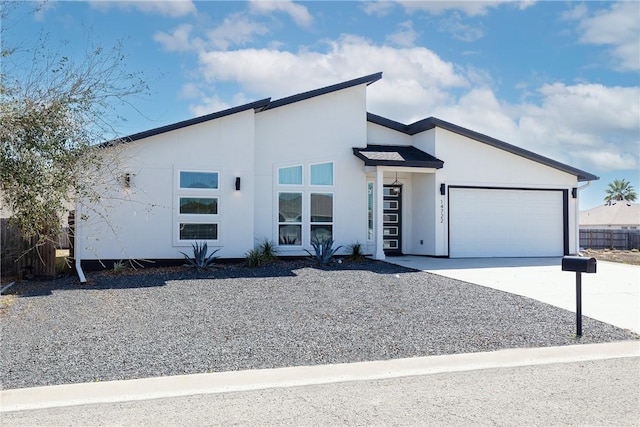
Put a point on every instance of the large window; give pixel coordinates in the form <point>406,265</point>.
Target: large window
<point>321,218</point>
<point>305,214</point>
<point>290,219</point>
<point>197,206</point>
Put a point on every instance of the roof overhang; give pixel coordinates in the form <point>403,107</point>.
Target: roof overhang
<point>396,156</point>
<point>432,122</point>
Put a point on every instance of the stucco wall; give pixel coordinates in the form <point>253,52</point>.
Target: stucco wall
<point>317,130</point>
<point>468,162</point>
<point>141,222</point>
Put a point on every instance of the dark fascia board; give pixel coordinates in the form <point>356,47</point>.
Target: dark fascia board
<point>256,105</point>
<point>432,122</point>
<point>371,78</point>
<point>429,162</point>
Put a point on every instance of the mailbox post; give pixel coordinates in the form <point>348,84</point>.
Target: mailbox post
<point>579,265</point>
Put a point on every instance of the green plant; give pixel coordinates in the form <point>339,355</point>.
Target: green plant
<point>356,252</point>
<point>324,250</point>
<point>201,259</point>
<point>119,267</point>
<point>268,250</point>
<point>263,254</point>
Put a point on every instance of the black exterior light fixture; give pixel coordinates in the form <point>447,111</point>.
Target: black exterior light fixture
<point>443,189</point>
<point>237,183</point>
<point>397,186</point>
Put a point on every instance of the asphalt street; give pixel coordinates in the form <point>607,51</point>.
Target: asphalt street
<point>593,392</point>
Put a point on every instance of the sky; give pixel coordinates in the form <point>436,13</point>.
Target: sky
<point>561,79</point>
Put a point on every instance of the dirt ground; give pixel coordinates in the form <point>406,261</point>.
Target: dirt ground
<point>613,255</point>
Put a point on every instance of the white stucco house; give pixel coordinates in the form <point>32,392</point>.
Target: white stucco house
<point>317,164</point>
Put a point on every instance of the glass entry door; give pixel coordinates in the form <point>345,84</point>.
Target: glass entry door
<point>392,220</point>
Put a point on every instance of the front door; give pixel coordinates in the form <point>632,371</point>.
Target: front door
<point>392,218</point>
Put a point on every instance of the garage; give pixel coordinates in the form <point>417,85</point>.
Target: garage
<point>504,222</point>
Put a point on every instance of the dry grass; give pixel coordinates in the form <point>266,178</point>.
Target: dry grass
<point>614,255</point>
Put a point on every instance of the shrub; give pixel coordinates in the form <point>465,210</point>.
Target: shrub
<point>356,252</point>
<point>263,254</point>
<point>324,250</point>
<point>201,259</point>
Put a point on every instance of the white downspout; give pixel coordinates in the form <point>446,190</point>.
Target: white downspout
<point>76,245</point>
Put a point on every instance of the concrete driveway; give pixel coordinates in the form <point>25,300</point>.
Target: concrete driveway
<point>612,295</point>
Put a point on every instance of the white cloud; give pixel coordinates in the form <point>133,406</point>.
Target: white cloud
<point>179,40</point>
<point>617,27</point>
<point>460,30</point>
<point>590,126</point>
<point>173,8</point>
<point>405,36</point>
<point>416,79</point>
<point>236,29</point>
<point>377,8</point>
<point>470,8</point>
<point>300,14</point>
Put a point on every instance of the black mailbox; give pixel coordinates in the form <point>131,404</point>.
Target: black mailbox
<point>579,264</point>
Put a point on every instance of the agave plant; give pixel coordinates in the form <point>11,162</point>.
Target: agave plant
<point>324,250</point>
<point>201,259</point>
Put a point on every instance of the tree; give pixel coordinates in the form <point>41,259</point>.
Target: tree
<point>620,189</point>
<point>53,111</point>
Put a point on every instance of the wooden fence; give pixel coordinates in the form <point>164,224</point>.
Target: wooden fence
<point>610,239</point>
<point>22,258</point>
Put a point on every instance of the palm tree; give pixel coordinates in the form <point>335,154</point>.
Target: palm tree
<point>620,189</point>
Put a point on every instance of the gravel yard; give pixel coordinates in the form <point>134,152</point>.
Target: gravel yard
<point>170,322</point>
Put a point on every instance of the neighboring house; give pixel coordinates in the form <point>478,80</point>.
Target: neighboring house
<point>317,165</point>
<point>619,215</point>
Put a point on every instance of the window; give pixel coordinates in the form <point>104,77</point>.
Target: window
<point>370,211</point>
<point>199,205</point>
<point>321,218</point>
<point>201,231</point>
<point>191,179</point>
<point>290,219</point>
<point>322,174</point>
<point>290,176</point>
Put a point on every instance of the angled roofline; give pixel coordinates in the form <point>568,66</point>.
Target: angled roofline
<point>371,78</point>
<point>428,162</point>
<point>256,105</point>
<point>432,122</point>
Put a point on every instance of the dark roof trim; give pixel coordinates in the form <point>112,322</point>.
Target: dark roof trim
<point>432,122</point>
<point>256,105</point>
<point>371,78</point>
<point>396,155</point>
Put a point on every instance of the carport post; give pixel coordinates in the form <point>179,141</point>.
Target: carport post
<point>578,303</point>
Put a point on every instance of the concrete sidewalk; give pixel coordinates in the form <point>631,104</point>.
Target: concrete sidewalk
<point>66,395</point>
<point>612,295</point>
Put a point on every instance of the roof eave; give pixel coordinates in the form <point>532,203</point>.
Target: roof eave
<point>371,78</point>
<point>256,105</point>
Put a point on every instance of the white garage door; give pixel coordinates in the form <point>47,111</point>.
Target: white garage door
<point>505,223</point>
